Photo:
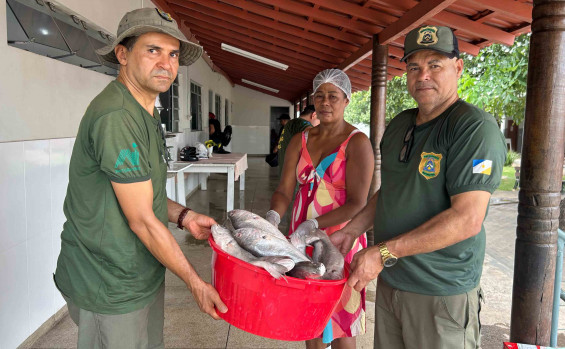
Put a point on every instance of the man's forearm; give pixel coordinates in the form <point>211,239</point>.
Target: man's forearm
<point>163,246</point>
<point>174,209</point>
<point>460,222</point>
<point>364,219</point>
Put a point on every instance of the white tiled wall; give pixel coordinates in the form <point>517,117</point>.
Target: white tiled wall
<point>33,182</point>
<point>33,185</point>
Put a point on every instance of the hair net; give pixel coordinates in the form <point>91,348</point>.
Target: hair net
<point>335,77</point>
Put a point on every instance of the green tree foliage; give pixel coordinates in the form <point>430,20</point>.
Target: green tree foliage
<point>495,80</point>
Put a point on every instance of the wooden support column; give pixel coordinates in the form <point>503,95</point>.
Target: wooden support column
<point>540,180</point>
<point>378,112</point>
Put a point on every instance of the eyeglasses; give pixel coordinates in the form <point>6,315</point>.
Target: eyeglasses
<point>408,142</point>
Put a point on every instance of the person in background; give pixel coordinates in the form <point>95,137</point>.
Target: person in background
<point>333,166</point>
<point>215,133</point>
<point>283,120</point>
<point>440,163</point>
<point>115,243</point>
<point>307,119</point>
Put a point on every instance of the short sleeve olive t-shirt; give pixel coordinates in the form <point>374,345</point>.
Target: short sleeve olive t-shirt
<point>461,150</point>
<point>103,266</point>
<point>291,128</point>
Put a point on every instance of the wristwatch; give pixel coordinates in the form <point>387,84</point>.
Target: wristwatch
<point>388,258</point>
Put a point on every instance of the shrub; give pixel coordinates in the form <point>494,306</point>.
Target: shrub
<point>510,157</point>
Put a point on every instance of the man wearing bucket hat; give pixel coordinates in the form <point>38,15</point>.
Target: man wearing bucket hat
<point>115,242</point>
<point>440,163</point>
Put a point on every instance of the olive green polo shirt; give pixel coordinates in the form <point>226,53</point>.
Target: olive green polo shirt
<point>461,150</point>
<point>103,266</point>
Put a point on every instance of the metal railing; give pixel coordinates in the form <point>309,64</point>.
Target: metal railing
<point>558,293</point>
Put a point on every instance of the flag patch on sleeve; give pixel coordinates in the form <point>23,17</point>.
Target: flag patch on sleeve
<point>482,166</point>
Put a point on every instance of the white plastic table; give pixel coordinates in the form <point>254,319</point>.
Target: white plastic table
<point>234,164</point>
<point>178,169</point>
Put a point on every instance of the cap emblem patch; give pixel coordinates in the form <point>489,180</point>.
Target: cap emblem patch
<point>165,15</point>
<point>427,36</point>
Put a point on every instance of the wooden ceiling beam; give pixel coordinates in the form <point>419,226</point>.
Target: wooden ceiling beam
<point>374,16</point>
<point>511,8</point>
<point>466,25</point>
<point>259,47</point>
<point>417,15</point>
<point>360,68</point>
<point>283,76</point>
<point>356,57</point>
<point>215,16</point>
<point>396,64</point>
<point>325,16</point>
<point>205,5</point>
<point>327,55</point>
<point>296,21</point>
<point>478,29</point>
<point>216,49</point>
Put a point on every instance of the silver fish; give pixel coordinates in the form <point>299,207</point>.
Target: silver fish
<point>262,244</point>
<point>277,266</point>
<point>324,252</point>
<point>245,219</point>
<point>307,270</point>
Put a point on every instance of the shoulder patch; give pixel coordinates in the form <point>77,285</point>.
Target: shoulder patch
<point>430,165</point>
<point>127,155</point>
<point>482,166</point>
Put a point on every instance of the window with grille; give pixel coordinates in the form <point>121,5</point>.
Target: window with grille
<point>195,107</point>
<point>218,107</point>
<point>226,110</point>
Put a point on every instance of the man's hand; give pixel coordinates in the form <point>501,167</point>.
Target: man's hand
<point>343,240</point>
<point>366,266</point>
<point>198,225</point>
<point>208,299</point>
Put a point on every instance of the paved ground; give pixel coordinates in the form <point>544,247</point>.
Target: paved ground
<point>186,327</point>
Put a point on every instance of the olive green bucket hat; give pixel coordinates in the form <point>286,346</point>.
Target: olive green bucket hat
<point>436,38</point>
<point>146,20</point>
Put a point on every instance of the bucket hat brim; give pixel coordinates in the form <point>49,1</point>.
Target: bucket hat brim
<point>189,51</point>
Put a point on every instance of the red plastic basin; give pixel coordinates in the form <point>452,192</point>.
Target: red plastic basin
<point>291,310</point>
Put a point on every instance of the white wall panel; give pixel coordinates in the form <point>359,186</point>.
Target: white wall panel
<point>12,203</point>
<point>14,298</point>
<point>39,276</point>
<point>38,186</point>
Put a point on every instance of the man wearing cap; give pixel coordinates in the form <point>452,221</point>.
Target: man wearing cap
<point>306,120</point>
<point>115,242</point>
<point>440,163</point>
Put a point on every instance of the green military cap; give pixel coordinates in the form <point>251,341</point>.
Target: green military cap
<point>146,20</point>
<point>436,38</point>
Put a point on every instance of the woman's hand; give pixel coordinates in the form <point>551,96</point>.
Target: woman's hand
<point>273,217</point>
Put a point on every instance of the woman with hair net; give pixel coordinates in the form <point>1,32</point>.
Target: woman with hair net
<point>333,164</point>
